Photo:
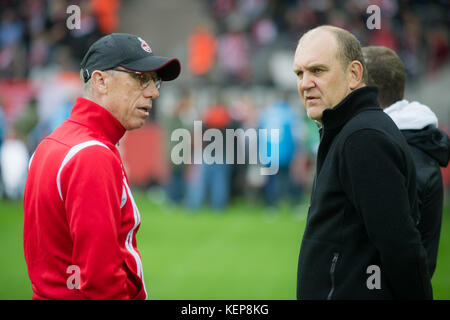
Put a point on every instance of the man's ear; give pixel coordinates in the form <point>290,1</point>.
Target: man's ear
<point>355,75</point>
<point>99,81</point>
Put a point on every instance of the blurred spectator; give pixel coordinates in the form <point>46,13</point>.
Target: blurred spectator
<point>264,31</point>
<point>281,116</point>
<point>439,47</point>
<point>234,55</point>
<point>79,40</point>
<point>14,159</point>
<point>54,98</point>
<point>11,28</point>
<point>106,12</point>
<point>26,123</point>
<point>243,116</point>
<point>202,50</point>
<point>210,180</point>
<point>176,187</point>
<point>311,141</point>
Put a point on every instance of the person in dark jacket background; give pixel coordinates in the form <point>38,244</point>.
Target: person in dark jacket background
<point>361,239</point>
<point>430,146</point>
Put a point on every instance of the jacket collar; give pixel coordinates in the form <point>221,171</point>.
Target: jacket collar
<point>97,118</point>
<point>361,99</point>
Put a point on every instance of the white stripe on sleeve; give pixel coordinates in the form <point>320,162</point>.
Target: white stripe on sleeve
<point>72,152</point>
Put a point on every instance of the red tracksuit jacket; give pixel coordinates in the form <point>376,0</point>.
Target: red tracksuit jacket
<point>80,219</point>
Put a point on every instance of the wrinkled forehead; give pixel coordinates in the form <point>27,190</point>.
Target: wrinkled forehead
<point>316,47</point>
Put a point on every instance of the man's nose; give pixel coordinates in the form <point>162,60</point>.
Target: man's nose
<point>151,91</point>
<point>307,82</point>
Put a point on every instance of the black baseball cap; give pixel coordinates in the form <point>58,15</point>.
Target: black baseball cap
<point>128,51</point>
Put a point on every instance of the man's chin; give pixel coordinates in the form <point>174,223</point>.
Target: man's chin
<point>135,126</point>
<point>315,113</point>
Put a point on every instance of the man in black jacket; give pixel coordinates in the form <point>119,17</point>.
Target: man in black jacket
<point>429,146</point>
<point>361,239</point>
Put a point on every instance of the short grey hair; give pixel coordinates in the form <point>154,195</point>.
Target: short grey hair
<point>87,88</point>
<point>348,47</point>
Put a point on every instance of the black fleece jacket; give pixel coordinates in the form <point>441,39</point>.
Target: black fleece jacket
<point>363,210</point>
<point>430,149</point>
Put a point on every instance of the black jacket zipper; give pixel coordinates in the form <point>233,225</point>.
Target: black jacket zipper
<point>333,267</point>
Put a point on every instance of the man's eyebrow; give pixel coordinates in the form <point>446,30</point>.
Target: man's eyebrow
<point>298,69</point>
<point>317,66</point>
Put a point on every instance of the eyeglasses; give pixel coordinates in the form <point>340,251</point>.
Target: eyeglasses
<point>144,78</point>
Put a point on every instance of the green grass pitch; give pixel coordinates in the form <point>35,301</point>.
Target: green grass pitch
<point>244,252</point>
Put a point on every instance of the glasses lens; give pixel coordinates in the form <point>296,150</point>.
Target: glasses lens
<point>158,82</point>
<point>146,78</point>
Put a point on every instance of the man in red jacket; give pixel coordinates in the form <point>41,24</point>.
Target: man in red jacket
<point>81,219</point>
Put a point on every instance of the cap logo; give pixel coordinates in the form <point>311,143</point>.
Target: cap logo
<point>144,45</point>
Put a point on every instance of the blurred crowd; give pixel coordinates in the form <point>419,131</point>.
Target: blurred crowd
<point>245,34</point>
<point>39,67</point>
<point>238,74</point>
<point>255,113</point>
<point>35,34</point>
